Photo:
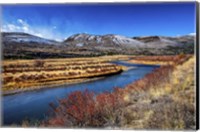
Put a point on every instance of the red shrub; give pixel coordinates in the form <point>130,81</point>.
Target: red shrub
<point>84,109</point>
<point>153,79</point>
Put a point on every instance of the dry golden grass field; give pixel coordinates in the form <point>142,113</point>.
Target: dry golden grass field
<point>158,60</point>
<point>23,75</point>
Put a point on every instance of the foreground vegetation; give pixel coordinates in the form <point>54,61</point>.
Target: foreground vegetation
<point>163,99</point>
<point>23,75</point>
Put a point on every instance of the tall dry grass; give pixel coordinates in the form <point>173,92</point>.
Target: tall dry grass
<point>167,102</point>
<point>27,74</point>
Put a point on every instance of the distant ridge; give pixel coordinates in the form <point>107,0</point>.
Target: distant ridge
<point>27,46</point>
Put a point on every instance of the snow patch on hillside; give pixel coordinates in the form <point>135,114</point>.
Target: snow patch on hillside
<point>26,38</point>
<point>125,40</point>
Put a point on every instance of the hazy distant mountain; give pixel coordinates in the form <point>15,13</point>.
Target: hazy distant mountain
<point>26,46</point>
<point>23,45</point>
<point>17,37</point>
<point>186,39</point>
<point>158,41</point>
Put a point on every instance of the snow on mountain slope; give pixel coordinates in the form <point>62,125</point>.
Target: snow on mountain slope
<point>16,37</point>
<point>93,41</point>
<point>22,45</point>
<point>104,40</point>
<point>118,39</point>
<point>158,41</point>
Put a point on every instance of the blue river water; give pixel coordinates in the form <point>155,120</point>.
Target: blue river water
<point>34,104</point>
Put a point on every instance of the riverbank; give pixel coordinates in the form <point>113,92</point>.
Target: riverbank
<point>27,75</point>
<point>163,99</point>
<point>61,83</point>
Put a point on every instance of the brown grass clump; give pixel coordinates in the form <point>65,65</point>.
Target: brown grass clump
<point>39,63</point>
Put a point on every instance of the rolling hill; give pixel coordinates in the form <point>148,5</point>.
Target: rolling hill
<point>26,46</point>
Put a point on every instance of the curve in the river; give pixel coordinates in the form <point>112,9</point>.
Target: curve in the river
<point>34,104</point>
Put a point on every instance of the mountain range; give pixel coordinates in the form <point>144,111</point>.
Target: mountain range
<point>25,46</point>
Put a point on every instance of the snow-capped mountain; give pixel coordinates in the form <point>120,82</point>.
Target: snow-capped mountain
<point>23,45</point>
<point>109,40</point>
<point>17,37</point>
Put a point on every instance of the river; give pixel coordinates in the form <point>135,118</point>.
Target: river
<point>34,104</point>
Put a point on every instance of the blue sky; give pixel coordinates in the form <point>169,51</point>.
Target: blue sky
<point>61,21</point>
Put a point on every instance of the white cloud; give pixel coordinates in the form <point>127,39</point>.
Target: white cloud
<point>12,27</point>
<point>192,34</point>
<point>178,35</point>
<point>20,21</point>
<point>23,26</point>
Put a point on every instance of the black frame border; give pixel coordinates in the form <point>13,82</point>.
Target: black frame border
<point>197,65</point>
